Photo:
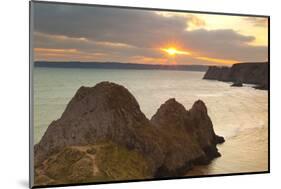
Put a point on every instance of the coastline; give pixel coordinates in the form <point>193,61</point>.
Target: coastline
<point>254,141</point>
<point>227,114</point>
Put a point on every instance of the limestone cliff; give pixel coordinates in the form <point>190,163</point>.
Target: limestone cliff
<point>217,73</point>
<point>249,73</point>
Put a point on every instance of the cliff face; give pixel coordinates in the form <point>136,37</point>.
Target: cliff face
<point>250,73</point>
<point>103,135</point>
<point>217,73</point>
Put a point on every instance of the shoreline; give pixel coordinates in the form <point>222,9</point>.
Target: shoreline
<point>232,161</point>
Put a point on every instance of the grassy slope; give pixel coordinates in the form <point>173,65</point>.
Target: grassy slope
<point>101,162</point>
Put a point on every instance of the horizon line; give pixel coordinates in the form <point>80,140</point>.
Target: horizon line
<point>157,64</point>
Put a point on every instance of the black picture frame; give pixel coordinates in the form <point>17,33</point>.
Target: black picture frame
<point>31,64</point>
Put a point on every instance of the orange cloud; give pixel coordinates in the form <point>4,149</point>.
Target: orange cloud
<point>113,44</point>
<point>61,37</point>
<point>172,51</point>
<point>47,50</point>
<point>217,60</point>
<point>64,54</point>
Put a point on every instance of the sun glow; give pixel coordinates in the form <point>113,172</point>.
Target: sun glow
<point>173,51</point>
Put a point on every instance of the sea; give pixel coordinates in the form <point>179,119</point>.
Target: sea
<point>240,114</point>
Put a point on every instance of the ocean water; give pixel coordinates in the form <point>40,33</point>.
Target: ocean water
<point>238,114</point>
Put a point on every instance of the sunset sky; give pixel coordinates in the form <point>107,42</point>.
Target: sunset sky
<point>80,33</point>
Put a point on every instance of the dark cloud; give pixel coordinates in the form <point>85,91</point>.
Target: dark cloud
<point>138,33</point>
<point>88,46</point>
<point>140,28</point>
<point>224,44</point>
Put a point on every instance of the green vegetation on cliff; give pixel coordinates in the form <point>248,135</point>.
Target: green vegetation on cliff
<point>93,163</point>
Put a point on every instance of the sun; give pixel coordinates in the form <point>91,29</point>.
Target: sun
<point>172,51</point>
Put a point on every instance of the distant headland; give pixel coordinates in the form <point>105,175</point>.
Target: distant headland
<point>119,65</point>
<point>248,73</point>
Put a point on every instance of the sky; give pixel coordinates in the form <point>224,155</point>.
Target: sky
<point>104,34</point>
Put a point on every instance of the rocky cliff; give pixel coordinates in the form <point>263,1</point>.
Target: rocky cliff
<point>103,135</point>
<point>217,73</point>
<point>249,73</point>
<point>189,136</point>
<point>106,112</point>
